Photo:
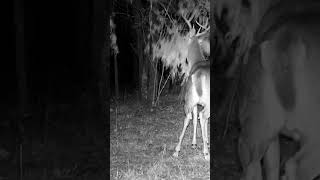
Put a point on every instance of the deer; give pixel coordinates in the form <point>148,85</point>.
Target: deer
<point>196,90</point>
<point>282,93</point>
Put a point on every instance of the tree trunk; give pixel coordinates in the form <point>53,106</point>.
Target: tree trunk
<point>140,60</point>
<point>21,75</point>
<point>116,80</point>
<point>151,83</point>
<point>151,72</point>
<point>136,72</point>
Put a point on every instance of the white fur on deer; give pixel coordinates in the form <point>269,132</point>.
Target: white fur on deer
<point>197,92</point>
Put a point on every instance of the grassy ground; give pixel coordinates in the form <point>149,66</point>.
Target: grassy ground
<point>142,141</point>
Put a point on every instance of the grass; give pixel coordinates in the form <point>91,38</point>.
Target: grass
<point>142,141</point>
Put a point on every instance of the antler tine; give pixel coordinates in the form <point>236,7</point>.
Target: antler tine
<point>205,27</point>
<point>188,20</point>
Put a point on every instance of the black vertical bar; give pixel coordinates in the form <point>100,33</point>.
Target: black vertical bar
<point>21,79</point>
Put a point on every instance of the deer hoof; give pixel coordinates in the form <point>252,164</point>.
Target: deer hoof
<point>194,146</point>
<point>207,157</point>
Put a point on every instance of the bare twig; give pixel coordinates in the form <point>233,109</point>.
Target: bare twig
<point>154,85</point>
<point>165,9</point>
<point>160,81</point>
<point>163,86</point>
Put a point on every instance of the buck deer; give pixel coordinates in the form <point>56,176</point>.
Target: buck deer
<point>197,87</point>
<point>197,92</point>
<point>283,93</point>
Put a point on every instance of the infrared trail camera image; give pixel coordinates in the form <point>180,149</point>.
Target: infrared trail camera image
<point>160,81</point>
<point>122,89</point>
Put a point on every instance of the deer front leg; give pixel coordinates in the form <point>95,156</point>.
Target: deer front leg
<point>185,125</point>
<point>195,122</point>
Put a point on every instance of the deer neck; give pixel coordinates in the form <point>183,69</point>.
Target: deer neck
<point>194,54</point>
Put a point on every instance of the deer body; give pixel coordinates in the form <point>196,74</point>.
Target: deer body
<point>286,101</point>
<point>283,89</point>
<point>196,88</point>
<point>197,92</point>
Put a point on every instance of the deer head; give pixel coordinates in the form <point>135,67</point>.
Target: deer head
<point>198,40</point>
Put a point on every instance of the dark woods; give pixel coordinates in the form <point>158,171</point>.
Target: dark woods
<point>54,112</point>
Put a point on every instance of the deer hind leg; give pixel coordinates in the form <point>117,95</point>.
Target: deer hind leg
<point>251,152</point>
<point>206,132</point>
<point>255,144</point>
<point>185,125</point>
<point>271,160</point>
<point>253,172</point>
<point>250,162</point>
<point>195,121</point>
<point>203,121</point>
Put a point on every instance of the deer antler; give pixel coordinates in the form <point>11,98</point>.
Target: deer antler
<point>205,28</point>
<point>188,21</point>
<point>202,28</point>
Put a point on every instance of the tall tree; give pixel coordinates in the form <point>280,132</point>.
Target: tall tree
<point>179,47</point>
<point>161,35</point>
<point>21,74</point>
<point>115,50</point>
